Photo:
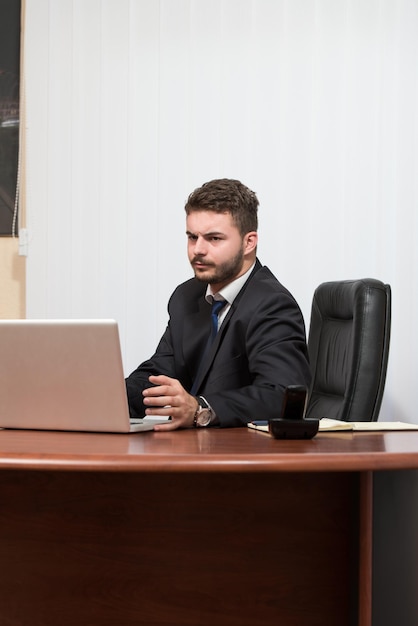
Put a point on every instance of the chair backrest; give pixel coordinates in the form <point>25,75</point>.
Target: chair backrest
<point>348,347</point>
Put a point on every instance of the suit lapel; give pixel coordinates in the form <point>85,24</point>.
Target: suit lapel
<point>202,321</point>
<point>194,342</point>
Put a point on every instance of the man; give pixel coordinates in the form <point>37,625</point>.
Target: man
<point>237,371</point>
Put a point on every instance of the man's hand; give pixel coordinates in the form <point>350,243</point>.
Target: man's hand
<point>168,397</point>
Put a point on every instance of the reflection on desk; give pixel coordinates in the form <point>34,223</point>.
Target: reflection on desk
<point>235,449</point>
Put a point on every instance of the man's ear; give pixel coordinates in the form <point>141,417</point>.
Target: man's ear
<point>250,242</point>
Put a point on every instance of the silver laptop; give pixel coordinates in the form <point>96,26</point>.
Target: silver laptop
<point>64,375</point>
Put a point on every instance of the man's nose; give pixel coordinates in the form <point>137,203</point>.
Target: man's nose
<point>200,246</point>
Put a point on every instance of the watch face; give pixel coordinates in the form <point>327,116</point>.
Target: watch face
<point>204,417</point>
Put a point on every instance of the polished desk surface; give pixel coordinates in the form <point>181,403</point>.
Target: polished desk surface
<point>207,450</point>
<point>92,515</point>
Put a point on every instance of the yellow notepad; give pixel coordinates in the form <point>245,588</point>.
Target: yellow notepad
<point>327,424</point>
<point>330,425</point>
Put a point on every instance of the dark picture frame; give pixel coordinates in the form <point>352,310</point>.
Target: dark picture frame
<point>10,33</point>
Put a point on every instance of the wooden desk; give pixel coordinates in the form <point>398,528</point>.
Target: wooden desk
<point>199,527</point>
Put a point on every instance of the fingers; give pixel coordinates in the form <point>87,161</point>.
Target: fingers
<point>163,387</point>
<point>162,380</point>
<point>171,425</point>
<point>161,395</point>
<point>168,397</point>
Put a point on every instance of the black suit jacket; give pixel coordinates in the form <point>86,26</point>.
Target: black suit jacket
<point>259,350</point>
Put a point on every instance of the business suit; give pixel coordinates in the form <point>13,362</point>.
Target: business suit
<point>259,350</point>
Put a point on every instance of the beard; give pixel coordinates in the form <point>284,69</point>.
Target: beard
<point>223,273</point>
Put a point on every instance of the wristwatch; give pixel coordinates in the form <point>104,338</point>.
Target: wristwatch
<point>204,414</point>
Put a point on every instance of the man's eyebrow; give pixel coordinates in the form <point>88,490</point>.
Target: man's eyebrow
<point>214,233</point>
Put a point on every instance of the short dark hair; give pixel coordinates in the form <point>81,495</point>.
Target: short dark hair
<point>226,195</point>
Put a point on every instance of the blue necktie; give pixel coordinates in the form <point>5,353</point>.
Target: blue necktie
<point>217,306</point>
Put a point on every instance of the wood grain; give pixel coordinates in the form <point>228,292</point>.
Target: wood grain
<point>200,527</point>
<point>207,450</point>
<point>112,548</point>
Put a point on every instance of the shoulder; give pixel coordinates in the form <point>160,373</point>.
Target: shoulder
<point>263,281</point>
<point>265,297</point>
<point>190,287</point>
<point>187,294</point>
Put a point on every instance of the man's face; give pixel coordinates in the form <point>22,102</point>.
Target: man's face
<point>217,251</point>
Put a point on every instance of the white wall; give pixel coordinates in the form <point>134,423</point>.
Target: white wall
<point>131,104</point>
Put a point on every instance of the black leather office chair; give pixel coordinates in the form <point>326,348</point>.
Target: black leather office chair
<point>348,347</point>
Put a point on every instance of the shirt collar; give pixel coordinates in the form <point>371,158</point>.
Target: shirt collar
<point>231,290</point>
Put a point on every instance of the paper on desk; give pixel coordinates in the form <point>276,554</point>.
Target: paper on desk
<point>329,425</point>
